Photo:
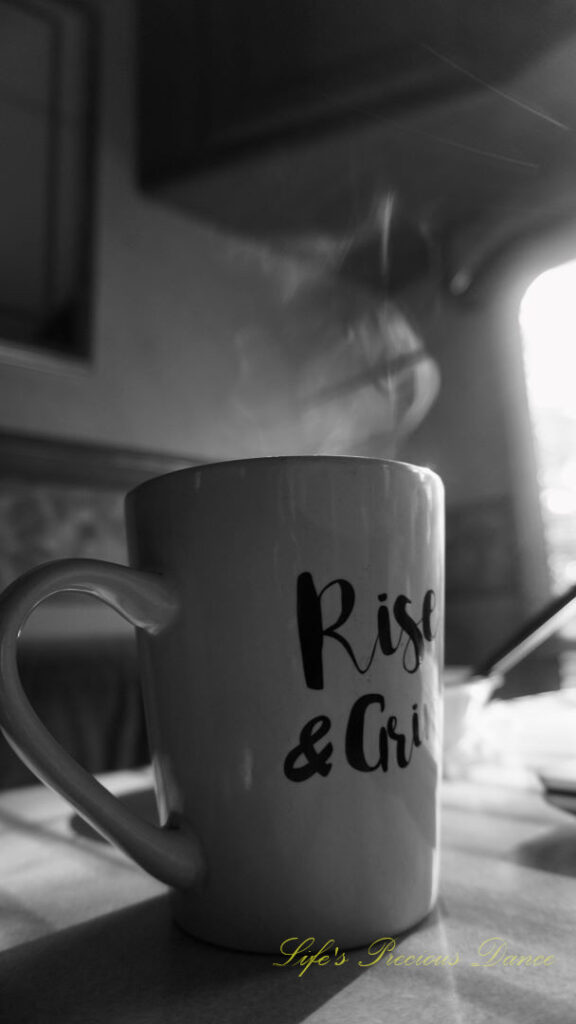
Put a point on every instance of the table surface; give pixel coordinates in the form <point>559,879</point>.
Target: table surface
<point>85,936</point>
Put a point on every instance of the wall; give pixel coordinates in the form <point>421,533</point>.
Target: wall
<point>199,346</point>
<point>180,313</point>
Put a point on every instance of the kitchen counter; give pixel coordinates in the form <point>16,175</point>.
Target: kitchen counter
<point>85,936</point>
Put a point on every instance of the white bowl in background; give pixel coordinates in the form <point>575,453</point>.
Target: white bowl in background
<point>464,700</point>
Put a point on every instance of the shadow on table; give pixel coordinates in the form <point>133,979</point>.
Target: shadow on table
<point>139,801</point>
<point>554,852</point>
<point>135,965</point>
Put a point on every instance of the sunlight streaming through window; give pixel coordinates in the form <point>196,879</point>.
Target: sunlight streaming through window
<point>548,325</point>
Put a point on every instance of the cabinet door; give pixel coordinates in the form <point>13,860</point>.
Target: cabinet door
<point>46,124</point>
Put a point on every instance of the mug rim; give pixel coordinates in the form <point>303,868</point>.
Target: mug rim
<point>227,464</point>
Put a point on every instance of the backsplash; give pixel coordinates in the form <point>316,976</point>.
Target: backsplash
<point>481,549</point>
<point>40,521</point>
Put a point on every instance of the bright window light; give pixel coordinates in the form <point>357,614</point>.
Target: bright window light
<point>548,326</point>
<point>548,323</point>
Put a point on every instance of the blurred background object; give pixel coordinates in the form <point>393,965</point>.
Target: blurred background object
<point>235,230</point>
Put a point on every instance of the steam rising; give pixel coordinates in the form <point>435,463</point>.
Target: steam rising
<point>339,369</point>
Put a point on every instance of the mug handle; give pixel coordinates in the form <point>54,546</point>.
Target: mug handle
<point>171,853</point>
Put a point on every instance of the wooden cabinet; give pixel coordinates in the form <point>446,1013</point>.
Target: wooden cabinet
<point>292,119</point>
<point>277,119</point>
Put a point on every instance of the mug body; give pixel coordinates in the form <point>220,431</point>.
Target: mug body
<point>294,704</point>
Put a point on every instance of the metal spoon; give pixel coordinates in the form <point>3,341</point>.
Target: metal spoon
<point>533,633</point>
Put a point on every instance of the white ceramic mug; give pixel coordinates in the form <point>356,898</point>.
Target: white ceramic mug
<point>290,622</point>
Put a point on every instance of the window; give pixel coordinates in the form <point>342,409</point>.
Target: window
<point>548,327</point>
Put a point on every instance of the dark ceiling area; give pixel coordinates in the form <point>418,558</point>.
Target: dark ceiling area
<point>319,118</point>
